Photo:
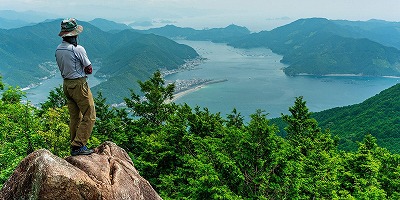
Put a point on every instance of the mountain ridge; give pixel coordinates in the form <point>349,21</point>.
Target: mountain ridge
<point>378,115</point>
<point>351,123</point>
<point>20,55</point>
<point>107,25</point>
<point>309,45</point>
<point>315,46</point>
<point>228,33</point>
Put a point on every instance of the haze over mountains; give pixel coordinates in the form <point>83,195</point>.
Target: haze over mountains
<point>197,153</point>
<point>319,46</point>
<point>134,55</point>
<point>314,46</point>
<point>12,19</point>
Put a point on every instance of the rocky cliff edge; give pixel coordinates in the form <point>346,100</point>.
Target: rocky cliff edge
<point>108,173</point>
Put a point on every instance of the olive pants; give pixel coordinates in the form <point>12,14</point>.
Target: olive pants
<point>81,110</point>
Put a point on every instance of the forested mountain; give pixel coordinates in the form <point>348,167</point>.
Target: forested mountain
<point>378,116</point>
<point>24,50</point>
<point>310,46</point>
<point>27,16</point>
<point>11,23</point>
<point>13,19</point>
<point>315,46</point>
<point>107,25</point>
<point>384,32</point>
<point>320,47</point>
<point>192,153</point>
<point>136,57</point>
<point>226,34</point>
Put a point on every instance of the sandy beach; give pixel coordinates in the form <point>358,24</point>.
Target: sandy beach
<point>185,92</point>
<point>193,89</point>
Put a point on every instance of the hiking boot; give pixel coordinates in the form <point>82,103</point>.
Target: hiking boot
<point>83,150</point>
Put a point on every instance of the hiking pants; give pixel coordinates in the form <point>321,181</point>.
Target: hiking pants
<point>81,110</point>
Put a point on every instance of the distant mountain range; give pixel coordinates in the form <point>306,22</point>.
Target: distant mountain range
<point>12,23</point>
<point>229,33</point>
<point>107,25</point>
<point>126,56</point>
<point>13,19</point>
<point>319,46</point>
<point>314,46</point>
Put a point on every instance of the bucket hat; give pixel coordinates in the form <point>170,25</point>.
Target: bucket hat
<point>69,27</point>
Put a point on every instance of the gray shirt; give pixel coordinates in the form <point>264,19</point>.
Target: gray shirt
<point>71,60</point>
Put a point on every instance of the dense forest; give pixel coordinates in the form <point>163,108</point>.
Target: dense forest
<point>378,116</point>
<point>191,153</point>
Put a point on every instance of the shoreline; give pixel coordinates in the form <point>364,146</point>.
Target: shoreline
<point>180,94</point>
<point>184,92</point>
<point>343,75</point>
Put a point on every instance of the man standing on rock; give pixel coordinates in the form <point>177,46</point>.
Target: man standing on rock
<point>75,65</point>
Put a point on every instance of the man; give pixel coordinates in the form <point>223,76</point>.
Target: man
<point>75,65</point>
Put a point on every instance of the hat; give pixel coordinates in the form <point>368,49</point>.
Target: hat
<point>69,27</point>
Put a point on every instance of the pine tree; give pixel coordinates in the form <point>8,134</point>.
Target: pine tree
<point>152,108</point>
<point>361,175</point>
<point>111,123</point>
<point>313,151</point>
<point>1,83</point>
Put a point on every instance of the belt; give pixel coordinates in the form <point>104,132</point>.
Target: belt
<point>68,79</point>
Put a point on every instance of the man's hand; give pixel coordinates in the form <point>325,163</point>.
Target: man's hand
<point>88,69</point>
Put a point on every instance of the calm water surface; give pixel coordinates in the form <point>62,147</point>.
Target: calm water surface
<point>40,93</point>
<point>256,81</point>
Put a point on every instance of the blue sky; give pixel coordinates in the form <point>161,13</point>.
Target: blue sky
<point>254,14</point>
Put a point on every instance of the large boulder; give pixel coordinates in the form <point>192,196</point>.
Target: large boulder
<point>106,174</point>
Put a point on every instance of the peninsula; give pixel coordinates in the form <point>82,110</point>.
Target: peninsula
<point>184,87</point>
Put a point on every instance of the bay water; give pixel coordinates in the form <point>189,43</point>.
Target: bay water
<point>255,80</point>
<point>40,93</point>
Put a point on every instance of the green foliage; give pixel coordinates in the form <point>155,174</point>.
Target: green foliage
<point>18,136</point>
<point>152,108</point>
<point>314,151</point>
<point>56,99</point>
<point>12,95</point>
<point>260,156</point>
<point>303,131</point>
<point>126,53</point>
<point>378,116</point>
<point>235,119</point>
<point>55,131</point>
<point>191,153</point>
<point>361,172</point>
<point>1,83</point>
<point>111,123</point>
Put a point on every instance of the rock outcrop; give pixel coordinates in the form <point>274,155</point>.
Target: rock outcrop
<point>106,174</point>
